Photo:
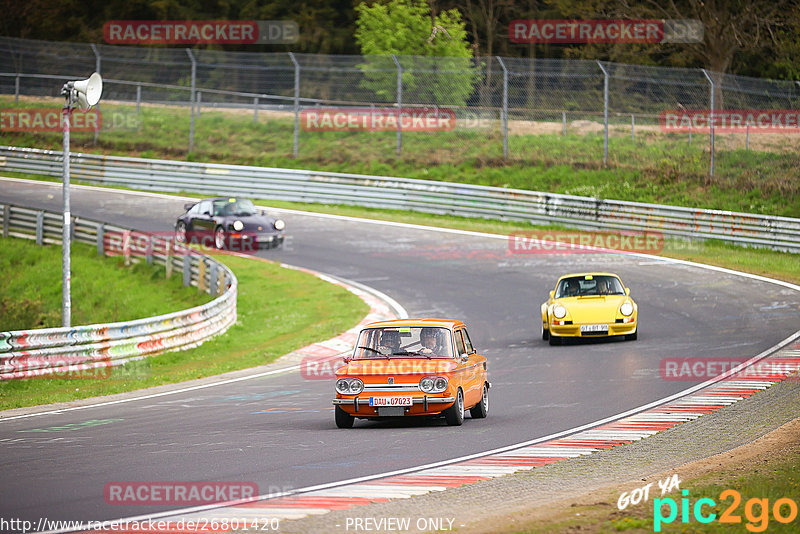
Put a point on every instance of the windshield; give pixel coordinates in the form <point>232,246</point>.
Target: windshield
<point>234,206</point>
<point>404,341</point>
<point>577,286</point>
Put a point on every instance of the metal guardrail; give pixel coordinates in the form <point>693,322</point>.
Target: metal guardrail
<point>94,349</point>
<point>779,233</point>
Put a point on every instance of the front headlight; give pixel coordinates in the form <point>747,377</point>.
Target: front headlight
<point>433,384</point>
<point>349,386</point>
<point>626,309</point>
<point>279,225</point>
<point>238,225</point>
<point>559,311</point>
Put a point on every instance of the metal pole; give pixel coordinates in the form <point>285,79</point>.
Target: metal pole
<point>564,123</point>
<point>504,113</point>
<point>138,96</point>
<point>66,300</point>
<point>97,70</point>
<point>191,99</point>
<point>16,89</point>
<point>255,110</point>
<point>296,104</point>
<point>199,102</point>
<point>747,138</point>
<point>711,120</point>
<point>605,114</point>
<point>633,127</point>
<point>399,104</point>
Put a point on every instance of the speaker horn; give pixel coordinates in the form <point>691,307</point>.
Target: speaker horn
<point>88,91</point>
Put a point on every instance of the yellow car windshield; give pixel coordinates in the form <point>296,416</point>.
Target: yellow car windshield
<point>578,286</point>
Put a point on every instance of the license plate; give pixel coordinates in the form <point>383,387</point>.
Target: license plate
<point>391,401</point>
<point>586,328</point>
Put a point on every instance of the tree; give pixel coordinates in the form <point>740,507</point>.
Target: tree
<point>436,58</point>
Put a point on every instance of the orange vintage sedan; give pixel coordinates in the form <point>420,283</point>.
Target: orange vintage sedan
<point>412,367</point>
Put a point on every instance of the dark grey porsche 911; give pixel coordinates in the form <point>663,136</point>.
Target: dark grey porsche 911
<point>232,223</point>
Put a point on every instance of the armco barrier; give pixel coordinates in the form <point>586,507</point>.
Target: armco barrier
<point>85,349</point>
<point>780,233</point>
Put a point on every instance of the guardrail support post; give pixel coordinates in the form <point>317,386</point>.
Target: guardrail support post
<point>6,215</point>
<point>605,114</point>
<point>191,99</point>
<point>399,104</point>
<point>16,89</point>
<point>212,280</point>
<point>138,97</point>
<point>564,123</point>
<point>201,274</point>
<point>199,102</point>
<point>187,269</point>
<point>504,112</point>
<point>101,231</point>
<point>39,227</point>
<point>168,258</point>
<point>712,119</point>
<point>149,253</point>
<point>296,104</point>
<point>633,127</point>
<point>255,110</point>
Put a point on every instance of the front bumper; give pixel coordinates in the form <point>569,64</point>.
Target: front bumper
<point>359,406</point>
<point>574,330</point>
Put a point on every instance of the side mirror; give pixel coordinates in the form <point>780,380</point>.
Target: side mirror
<point>464,356</point>
<point>552,294</point>
<point>627,291</point>
<point>347,359</point>
<point>188,206</point>
<point>263,213</point>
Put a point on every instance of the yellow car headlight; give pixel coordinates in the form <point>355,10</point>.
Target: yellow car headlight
<point>626,309</point>
<point>559,311</point>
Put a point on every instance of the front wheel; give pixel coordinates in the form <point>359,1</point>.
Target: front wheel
<point>181,232</point>
<point>545,334</point>
<point>481,410</point>
<point>454,415</point>
<point>219,238</point>
<point>554,340</point>
<point>343,419</point>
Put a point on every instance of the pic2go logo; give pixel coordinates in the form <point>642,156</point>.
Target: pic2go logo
<point>756,511</point>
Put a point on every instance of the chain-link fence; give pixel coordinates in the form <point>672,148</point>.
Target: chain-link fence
<point>490,109</point>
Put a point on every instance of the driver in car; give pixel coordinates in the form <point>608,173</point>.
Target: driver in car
<point>429,339</point>
<point>390,342</point>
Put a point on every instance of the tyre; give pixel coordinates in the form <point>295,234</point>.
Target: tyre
<point>454,415</point>
<point>633,337</point>
<point>181,232</point>
<point>545,334</point>
<point>481,410</point>
<point>219,238</point>
<point>343,419</point>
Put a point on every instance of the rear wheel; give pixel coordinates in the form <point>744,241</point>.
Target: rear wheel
<point>180,232</point>
<point>454,415</point>
<point>481,410</point>
<point>219,237</point>
<point>343,419</point>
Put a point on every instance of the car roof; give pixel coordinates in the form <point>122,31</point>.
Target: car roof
<point>442,323</point>
<point>590,273</point>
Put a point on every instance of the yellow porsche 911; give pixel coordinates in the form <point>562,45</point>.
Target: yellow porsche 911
<point>589,305</point>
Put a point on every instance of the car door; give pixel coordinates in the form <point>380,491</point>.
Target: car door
<point>477,369</point>
<point>467,369</point>
<point>203,222</point>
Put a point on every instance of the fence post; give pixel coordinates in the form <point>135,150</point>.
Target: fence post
<point>296,104</point>
<point>255,110</point>
<point>201,273</point>
<point>199,102</point>
<point>747,138</point>
<point>168,257</point>
<point>605,114</point>
<point>149,252</point>
<point>633,127</point>
<point>399,104</point>
<point>16,89</point>
<point>712,119</point>
<point>564,123</point>
<point>97,69</point>
<point>191,99</point>
<point>504,113</point>
<point>138,97</point>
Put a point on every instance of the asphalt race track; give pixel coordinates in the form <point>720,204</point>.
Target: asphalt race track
<point>279,432</point>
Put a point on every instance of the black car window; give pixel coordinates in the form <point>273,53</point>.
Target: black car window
<point>467,342</point>
<point>460,348</point>
<point>234,207</point>
<point>194,210</point>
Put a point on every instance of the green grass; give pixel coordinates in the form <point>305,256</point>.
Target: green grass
<point>103,290</point>
<point>279,310</point>
<point>655,167</point>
